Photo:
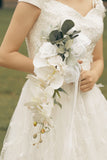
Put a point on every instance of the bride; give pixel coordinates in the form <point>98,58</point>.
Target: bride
<point>61,113</point>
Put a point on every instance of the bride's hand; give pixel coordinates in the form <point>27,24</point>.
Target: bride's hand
<point>87,80</point>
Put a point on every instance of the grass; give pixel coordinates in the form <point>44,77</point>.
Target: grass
<point>11,81</point>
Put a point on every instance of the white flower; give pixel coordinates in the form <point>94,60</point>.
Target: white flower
<point>40,116</point>
<point>57,80</point>
<point>39,62</point>
<point>49,69</point>
<point>71,60</point>
<point>41,104</point>
<point>51,76</point>
<point>37,82</point>
<point>56,61</point>
<point>47,50</point>
<point>45,73</point>
<point>79,46</point>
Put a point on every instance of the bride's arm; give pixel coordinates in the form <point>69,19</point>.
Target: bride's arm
<point>23,19</point>
<point>89,78</point>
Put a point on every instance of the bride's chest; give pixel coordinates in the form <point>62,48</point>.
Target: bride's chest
<point>53,14</point>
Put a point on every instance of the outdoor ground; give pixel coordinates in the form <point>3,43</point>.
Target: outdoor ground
<point>11,81</point>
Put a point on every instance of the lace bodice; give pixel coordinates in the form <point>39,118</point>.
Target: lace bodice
<point>54,12</point>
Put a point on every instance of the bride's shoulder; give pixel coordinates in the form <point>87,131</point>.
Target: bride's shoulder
<point>38,3</point>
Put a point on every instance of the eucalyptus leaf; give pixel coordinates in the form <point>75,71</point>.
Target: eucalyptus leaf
<point>60,35</point>
<point>67,25</point>
<point>58,93</point>
<point>74,34</point>
<point>72,37</point>
<point>62,90</point>
<point>54,94</point>
<point>55,35</point>
<point>56,102</point>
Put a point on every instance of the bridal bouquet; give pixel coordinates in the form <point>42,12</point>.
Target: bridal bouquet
<point>55,63</point>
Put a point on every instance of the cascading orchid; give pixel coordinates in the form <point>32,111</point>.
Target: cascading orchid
<point>55,63</point>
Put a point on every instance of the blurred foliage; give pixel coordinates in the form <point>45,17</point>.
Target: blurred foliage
<point>11,81</point>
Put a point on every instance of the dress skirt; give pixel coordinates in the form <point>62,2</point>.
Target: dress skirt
<point>83,139</point>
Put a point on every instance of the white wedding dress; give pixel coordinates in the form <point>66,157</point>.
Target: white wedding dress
<point>86,137</point>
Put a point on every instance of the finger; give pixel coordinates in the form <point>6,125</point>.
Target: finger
<point>82,75</point>
<point>81,70</point>
<point>86,86</point>
<point>86,90</point>
<point>84,82</point>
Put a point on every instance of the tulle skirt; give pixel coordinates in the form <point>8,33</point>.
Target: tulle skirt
<point>83,139</point>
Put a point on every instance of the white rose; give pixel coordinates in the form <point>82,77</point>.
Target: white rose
<point>79,46</point>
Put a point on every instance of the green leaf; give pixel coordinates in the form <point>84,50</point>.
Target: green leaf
<point>56,102</point>
<point>62,90</point>
<point>60,35</point>
<point>74,34</point>
<point>72,37</point>
<point>58,93</point>
<point>54,94</point>
<point>67,25</point>
<point>55,35</point>
<point>62,56</point>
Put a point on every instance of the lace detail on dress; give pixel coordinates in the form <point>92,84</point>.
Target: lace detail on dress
<point>53,12</point>
<point>100,7</point>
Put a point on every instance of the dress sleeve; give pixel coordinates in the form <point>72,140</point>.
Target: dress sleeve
<point>37,3</point>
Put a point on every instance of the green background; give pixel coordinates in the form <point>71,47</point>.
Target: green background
<point>11,81</point>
